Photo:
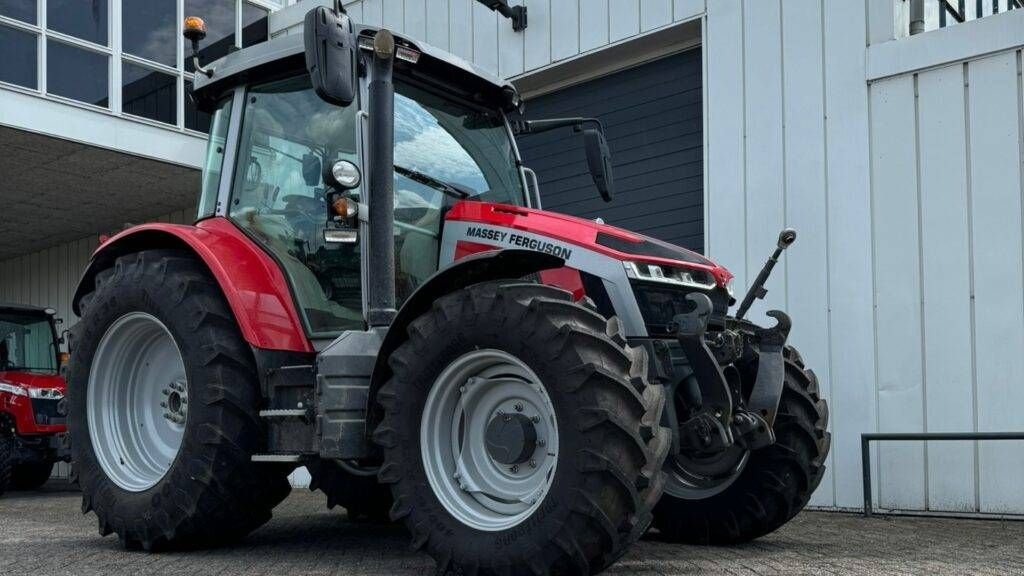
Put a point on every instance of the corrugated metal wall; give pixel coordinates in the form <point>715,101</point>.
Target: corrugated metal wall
<point>49,277</point>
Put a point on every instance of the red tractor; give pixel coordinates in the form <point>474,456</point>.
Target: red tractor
<point>31,391</point>
<point>529,392</point>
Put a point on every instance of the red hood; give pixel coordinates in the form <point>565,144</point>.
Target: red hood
<point>616,242</point>
<point>32,379</point>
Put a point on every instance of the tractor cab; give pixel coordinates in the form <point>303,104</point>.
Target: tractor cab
<point>290,168</point>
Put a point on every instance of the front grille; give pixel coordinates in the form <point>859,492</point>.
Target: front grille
<point>659,304</point>
<point>46,413</point>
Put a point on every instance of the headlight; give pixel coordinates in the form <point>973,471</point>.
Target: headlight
<point>16,390</point>
<point>729,288</point>
<point>45,393</point>
<point>669,275</point>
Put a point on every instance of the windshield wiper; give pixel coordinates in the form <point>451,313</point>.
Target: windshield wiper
<point>454,190</point>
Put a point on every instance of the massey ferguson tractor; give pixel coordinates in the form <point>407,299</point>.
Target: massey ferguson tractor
<point>31,392</point>
<point>372,291</point>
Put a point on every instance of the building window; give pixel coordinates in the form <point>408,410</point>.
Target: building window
<point>255,24</point>
<point>84,19</point>
<point>18,65</point>
<point>219,16</point>
<point>149,93</point>
<point>77,73</point>
<point>149,29</point>
<point>24,10</point>
<point>141,68</point>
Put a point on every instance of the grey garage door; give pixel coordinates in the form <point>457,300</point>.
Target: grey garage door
<point>653,117</point>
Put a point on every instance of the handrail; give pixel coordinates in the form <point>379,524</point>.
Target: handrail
<point>867,438</point>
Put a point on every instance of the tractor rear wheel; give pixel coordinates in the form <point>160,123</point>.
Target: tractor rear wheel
<point>363,497</point>
<point>163,401</point>
<point>520,434</point>
<point>31,475</point>
<point>769,486</point>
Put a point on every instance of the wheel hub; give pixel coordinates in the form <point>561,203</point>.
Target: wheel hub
<point>511,438</point>
<point>175,407</point>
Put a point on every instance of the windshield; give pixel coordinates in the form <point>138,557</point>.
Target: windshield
<point>448,142</point>
<point>26,342</point>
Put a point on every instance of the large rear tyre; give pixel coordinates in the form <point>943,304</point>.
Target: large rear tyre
<point>771,485</point>
<point>163,401</point>
<point>31,475</point>
<point>520,435</point>
<point>363,497</point>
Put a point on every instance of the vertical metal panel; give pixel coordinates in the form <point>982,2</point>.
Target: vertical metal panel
<point>373,12</point>
<point>623,19</point>
<point>762,69</point>
<point>655,14</point>
<point>537,35</point>
<point>460,22</point>
<point>593,24</point>
<point>415,18</point>
<point>806,195</point>
<point>393,16</point>
<point>511,50</point>
<point>725,198</point>
<point>849,226</point>
<point>687,9</point>
<point>899,378</point>
<point>993,109</point>
<point>565,29</point>
<point>485,37</point>
<point>437,23</point>
<point>946,270</point>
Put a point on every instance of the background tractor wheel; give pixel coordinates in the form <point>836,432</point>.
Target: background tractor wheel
<point>363,497</point>
<point>163,401</point>
<point>30,475</point>
<point>772,484</point>
<point>520,435</point>
<point>6,455</point>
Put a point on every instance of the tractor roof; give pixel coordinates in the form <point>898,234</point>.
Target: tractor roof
<point>286,54</point>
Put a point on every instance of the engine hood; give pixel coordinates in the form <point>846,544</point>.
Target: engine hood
<point>615,242</point>
<point>29,379</point>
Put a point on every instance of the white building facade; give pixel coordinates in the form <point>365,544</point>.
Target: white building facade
<point>898,159</point>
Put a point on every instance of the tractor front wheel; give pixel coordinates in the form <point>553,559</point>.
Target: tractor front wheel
<point>763,489</point>
<point>163,402</point>
<point>520,434</point>
<point>7,446</point>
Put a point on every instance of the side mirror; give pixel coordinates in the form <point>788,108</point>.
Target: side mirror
<point>599,160</point>
<point>330,54</point>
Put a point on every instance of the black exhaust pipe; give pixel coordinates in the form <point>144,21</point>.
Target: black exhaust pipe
<point>381,273</point>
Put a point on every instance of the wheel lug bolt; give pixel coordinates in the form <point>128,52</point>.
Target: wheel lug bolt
<point>533,463</point>
<point>541,443</point>
<point>519,407</point>
<point>535,419</point>
<point>515,468</point>
<point>163,404</point>
<point>166,392</point>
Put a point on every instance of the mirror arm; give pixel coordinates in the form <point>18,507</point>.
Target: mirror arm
<point>538,126</point>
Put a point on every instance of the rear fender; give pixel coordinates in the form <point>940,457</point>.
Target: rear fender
<point>472,269</point>
<point>252,282</point>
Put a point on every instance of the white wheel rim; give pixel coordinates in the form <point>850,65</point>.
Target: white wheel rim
<point>473,486</point>
<point>137,401</point>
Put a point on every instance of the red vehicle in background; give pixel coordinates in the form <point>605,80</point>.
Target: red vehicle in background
<point>32,420</point>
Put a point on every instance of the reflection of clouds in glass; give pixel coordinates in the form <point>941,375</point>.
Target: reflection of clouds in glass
<point>423,145</point>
